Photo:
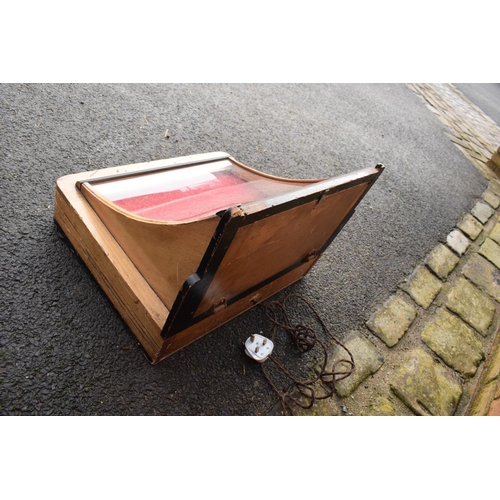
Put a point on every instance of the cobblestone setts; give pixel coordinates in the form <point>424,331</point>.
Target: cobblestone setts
<point>392,320</point>
<point>423,287</point>
<point>366,357</point>
<point>491,198</point>
<point>475,134</point>
<point>425,386</point>
<point>491,251</point>
<point>464,310</point>
<point>381,407</point>
<point>454,342</point>
<point>457,242</point>
<point>483,274</point>
<point>449,303</point>
<point>482,212</point>
<point>472,305</point>
<point>442,261</point>
<point>470,226</point>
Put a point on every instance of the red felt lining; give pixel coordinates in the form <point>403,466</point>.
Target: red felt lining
<point>199,200</point>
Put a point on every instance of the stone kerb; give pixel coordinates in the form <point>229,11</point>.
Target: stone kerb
<point>453,301</point>
<point>431,352</point>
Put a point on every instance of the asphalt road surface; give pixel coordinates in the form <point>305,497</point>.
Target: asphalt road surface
<point>64,350</point>
<point>484,95</point>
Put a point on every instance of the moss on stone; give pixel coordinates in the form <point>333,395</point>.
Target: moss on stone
<point>426,387</point>
<point>491,251</point>
<point>423,286</point>
<point>454,342</point>
<point>472,305</point>
<point>442,261</point>
<point>381,407</point>
<point>392,320</point>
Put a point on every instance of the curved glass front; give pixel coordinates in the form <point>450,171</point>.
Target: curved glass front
<point>191,192</point>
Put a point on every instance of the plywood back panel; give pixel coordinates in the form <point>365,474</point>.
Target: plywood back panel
<point>268,246</point>
<point>211,322</point>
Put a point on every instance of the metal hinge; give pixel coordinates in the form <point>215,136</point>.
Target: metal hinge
<point>218,306</point>
<point>309,256</point>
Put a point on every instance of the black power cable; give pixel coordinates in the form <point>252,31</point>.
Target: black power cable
<point>304,393</point>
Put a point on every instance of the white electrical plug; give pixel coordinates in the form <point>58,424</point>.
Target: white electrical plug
<point>258,347</point>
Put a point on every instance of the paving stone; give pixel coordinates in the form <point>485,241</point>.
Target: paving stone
<point>381,407</point>
<point>491,251</point>
<point>491,198</point>
<point>442,261</point>
<point>423,286</point>
<point>495,234</point>
<point>457,242</point>
<point>454,342</point>
<point>481,403</point>
<point>425,386</point>
<point>483,274</point>
<point>366,358</point>
<point>321,408</point>
<point>494,186</point>
<point>494,408</point>
<point>392,320</point>
<point>482,212</point>
<point>470,226</point>
<point>472,305</point>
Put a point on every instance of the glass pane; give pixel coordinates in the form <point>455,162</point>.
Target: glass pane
<point>190,192</point>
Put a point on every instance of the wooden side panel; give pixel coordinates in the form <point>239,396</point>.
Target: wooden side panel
<point>268,246</point>
<point>166,254</point>
<point>127,289</point>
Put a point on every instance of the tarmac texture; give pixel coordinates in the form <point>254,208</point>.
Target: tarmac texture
<point>63,348</point>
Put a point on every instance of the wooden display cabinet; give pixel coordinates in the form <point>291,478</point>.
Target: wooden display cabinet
<point>183,245</point>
